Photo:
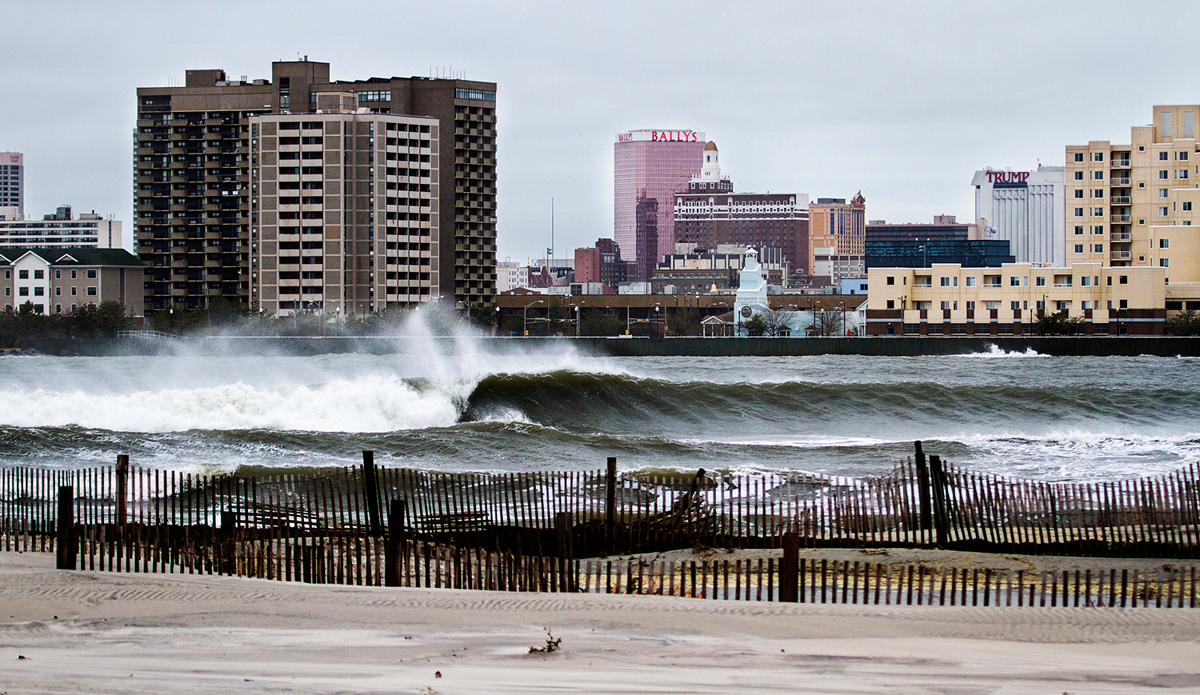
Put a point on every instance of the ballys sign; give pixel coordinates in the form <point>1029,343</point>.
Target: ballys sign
<point>1007,176</point>
<point>661,136</point>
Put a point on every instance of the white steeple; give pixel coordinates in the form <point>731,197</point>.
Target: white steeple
<point>711,171</point>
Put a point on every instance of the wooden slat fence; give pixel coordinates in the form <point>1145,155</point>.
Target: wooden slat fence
<point>919,503</point>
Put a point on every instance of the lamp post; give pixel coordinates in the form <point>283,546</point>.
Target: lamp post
<point>657,321</point>
<point>581,303</point>
<point>525,316</point>
<point>843,306</point>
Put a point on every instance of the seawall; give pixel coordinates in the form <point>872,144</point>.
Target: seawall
<point>645,347</point>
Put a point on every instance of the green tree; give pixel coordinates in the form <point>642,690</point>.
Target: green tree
<point>756,325</point>
<point>1186,323</point>
<point>597,322</point>
<point>1060,323</point>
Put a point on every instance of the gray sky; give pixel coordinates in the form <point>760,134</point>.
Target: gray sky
<point>901,100</point>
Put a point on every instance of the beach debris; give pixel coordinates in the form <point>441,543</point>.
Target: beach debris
<point>552,644</point>
<point>437,674</point>
<point>21,657</point>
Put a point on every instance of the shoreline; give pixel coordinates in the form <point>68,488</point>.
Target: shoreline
<point>902,346</point>
<point>194,633</point>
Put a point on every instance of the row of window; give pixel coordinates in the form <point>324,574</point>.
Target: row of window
<point>1014,305</point>
<point>1013,280</point>
<point>41,291</point>
<point>40,274</point>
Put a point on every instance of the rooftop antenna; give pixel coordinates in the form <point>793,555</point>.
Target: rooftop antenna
<point>552,228</point>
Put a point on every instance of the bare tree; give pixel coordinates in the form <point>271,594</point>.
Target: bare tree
<point>828,322</point>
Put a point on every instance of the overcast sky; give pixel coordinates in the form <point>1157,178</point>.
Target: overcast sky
<point>903,101</point>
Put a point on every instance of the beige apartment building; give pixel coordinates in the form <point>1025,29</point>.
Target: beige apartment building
<point>1133,205</point>
<point>948,299</point>
<point>60,280</point>
<point>347,206</point>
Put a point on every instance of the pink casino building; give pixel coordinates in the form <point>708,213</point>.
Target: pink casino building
<point>650,167</point>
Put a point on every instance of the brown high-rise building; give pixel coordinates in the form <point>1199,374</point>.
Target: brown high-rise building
<point>194,222</point>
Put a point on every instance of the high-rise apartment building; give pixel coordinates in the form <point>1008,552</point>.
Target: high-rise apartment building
<point>1026,208</point>
<point>709,214</point>
<point>194,222</point>
<point>345,203</point>
<point>651,165</point>
<point>61,230</point>
<point>1136,204</point>
<point>12,181</point>
<point>837,238</point>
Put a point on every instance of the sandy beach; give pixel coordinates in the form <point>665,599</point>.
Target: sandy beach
<point>130,633</point>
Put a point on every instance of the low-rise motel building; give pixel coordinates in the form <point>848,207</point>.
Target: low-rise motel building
<point>947,299</point>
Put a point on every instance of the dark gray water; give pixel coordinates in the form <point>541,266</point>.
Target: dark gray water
<point>1023,415</point>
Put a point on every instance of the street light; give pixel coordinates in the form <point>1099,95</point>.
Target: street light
<point>525,316</point>
<point>581,303</point>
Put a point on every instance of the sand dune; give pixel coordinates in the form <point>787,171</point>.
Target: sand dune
<point>101,632</point>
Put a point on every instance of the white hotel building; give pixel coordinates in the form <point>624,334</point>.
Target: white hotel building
<point>1026,208</point>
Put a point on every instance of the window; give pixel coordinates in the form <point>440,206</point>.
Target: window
<point>1163,156</point>
<point>58,275</point>
<point>971,305</point>
<point>1163,174</point>
<point>1163,211</point>
<point>23,291</point>
<point>1014,305</point>
<point>1041,281</point>
<point>1163,193</point>
<point>1166,124</point>
<point>1098,229</point>
<point>1097,156</point>
<point>1183,156</point>
<point>1097,175</point>
<point>1187,206</point>
<point>1189,125</point>
<point>91,274</point>
<point>971,281</point>
<point>891,281</point>
<point>1097,212</point>
<point>1164,243</point>
<point>1141,221</point>
<point>39,275</point>
<point>1123,280</point>
<point>991,305</point>
<point>57,291</point>
<point>1062,305</point>
<point>1141,184</point>
<point>1097,248</point>
<point>74,291</point>
<point>1079,156</point>
<point>1079,229</point>
<point>1014,281</point>
<point>1097,192</point>
<point>945,305</point>
<point>1085,281</point>
<point>1162,263</point>
<point>1078,248</point>
<point>91,291</point>
<point>39,291</point>
<point>22,274</point>
<point>1123,304</point>
<point>1141,148</point>
<point>1079,212</point>
<point>945,281</point>
<point>74,274</point>
<point>1085,304</point>
<point>1078,192</point>
<point>1079,176</point>
<point>1183,173</point>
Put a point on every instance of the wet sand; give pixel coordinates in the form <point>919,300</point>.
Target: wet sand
<point>132,633</point>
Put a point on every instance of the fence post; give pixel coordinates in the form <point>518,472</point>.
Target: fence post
<point>372,485</point>
<point>923,489</point>
<point>563,529</point>
<point>393,549</point>
<point>122,489</point>
<point>610,505</point>
<point>67,550</point>
<point>938,482</point>
<point>789,569</point>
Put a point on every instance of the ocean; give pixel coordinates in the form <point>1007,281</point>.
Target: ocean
<point>471,408</point>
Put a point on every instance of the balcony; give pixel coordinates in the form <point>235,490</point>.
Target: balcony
<point>1121,255</point>
<point>1120,164</point>
<point>1121,200</point>
<point>1120,236</point>
<point>1119,181</point>
<point>1122,219</point>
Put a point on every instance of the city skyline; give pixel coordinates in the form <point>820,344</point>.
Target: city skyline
<point>792,109</point>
